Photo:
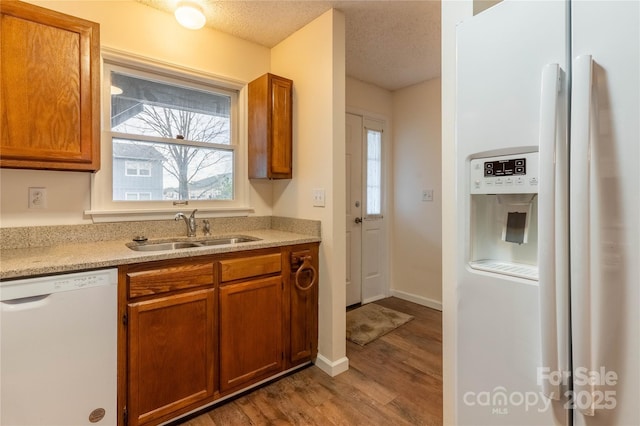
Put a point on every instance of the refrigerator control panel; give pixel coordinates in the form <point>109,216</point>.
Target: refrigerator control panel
<point>507,174</point>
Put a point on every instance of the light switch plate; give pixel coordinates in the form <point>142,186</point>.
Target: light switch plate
<point>318,198</point>
<point>427,195</point>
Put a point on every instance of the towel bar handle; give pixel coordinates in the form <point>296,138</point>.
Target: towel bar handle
<point>306,265</point>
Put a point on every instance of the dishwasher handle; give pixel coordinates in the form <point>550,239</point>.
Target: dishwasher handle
<point>25,303</point>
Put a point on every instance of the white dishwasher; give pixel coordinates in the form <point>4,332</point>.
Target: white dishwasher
<point>58,350</point>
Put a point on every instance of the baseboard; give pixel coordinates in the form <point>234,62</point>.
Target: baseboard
<point>332,368</point>
<point>429,303</point>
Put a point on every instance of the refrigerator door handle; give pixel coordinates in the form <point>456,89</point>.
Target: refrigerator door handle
<point>580,217</point>
<point>547,233</point>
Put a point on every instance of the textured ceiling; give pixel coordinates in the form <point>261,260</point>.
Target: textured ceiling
<point>389,43</point>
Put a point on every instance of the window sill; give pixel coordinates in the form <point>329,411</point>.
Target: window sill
<point>102,216</point>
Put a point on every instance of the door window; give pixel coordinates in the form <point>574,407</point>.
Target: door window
<point>373,174</point>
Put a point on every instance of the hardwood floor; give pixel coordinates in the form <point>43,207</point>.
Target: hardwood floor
<point>397,380</point>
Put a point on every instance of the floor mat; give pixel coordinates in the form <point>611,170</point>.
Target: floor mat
<point>368,322</point>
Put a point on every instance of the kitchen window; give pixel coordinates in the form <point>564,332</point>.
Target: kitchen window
<point>170,136</point>
<point>185,129</point>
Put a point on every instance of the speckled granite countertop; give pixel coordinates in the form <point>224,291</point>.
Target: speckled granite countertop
<point>82,255</point>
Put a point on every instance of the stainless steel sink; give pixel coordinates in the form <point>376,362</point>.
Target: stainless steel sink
<point>165,245</point>
<point>231,240</point>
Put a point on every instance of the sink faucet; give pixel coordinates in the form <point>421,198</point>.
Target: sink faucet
<point>190,222</point>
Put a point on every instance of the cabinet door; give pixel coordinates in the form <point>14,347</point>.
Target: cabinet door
<point>50,79</point>
<point>270,130</point>
<point>171,354</point>
<point>281,127</point>
<point>250,332</point>
<point>304,308</point>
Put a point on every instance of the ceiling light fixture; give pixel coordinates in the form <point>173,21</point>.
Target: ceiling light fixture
<point>190,15</point>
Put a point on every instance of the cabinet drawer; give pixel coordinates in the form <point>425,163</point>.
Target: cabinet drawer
<point>169,278</point>
<point>246,267</point>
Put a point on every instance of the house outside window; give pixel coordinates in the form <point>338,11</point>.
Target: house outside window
<point>137,168</point>
<point>137,196</point>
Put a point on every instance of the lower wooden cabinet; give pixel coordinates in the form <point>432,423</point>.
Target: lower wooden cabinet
<point>171,354</point>
<point>250,332</point>
<point>303,305</point>
<point>194,330</point>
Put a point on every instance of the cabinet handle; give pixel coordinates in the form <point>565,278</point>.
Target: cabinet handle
<point>306,264</point>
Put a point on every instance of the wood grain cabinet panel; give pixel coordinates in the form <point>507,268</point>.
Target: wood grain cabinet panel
<point>171,356</point>
<point>170,277</point>
<point>303,306</point>
<point>247,267</point>
<point>270,127</point>
<point>50,89</point>
<point>250,332</point>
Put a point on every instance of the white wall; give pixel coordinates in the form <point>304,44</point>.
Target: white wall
<point>131,27</point>
<point>369,100</point>
<point>416,237</point>
<point>453,11</point>
<point>314,58</point>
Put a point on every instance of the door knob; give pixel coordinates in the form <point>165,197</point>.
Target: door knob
<point>358,219</point>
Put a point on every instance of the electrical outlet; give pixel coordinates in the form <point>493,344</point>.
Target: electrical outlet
<point>318,198</point>
<point>37,198</point>
<point>427,195</point>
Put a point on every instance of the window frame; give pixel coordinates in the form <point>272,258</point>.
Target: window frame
<point>104,208</point>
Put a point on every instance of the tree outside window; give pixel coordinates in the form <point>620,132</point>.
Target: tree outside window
<point>185,130</point>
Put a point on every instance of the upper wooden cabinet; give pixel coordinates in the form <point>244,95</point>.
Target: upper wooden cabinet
<point>50,89</point>
<point>270,127</point>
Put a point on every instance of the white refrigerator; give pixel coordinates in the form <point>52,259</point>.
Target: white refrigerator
<point>548,214</point>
